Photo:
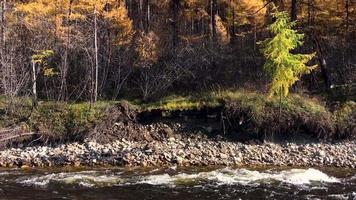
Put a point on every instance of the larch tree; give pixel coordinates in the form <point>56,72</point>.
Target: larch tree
<point>284,67</point>
<point>148,53</point>
<point>49,22</point>
<point>99,12</point>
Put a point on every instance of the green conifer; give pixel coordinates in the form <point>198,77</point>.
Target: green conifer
<point>284,67</point>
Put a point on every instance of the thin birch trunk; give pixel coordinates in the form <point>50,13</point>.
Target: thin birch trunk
<point>96,55</point>
<point>34,85</point>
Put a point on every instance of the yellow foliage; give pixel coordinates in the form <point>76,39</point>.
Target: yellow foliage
<point>146,46</point>
<point>58,17</point>
<point>120,21</point>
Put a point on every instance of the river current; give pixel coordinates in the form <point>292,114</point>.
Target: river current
<point>178,183</point>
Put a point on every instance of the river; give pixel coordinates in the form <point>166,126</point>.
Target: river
<point>178,183</point>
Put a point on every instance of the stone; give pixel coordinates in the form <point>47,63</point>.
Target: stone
<point>223,156</point>
<point>167,132</point>
<point>224,150</point>
<point>77,164</point>
<point>188,151</point>
<point>180,160</point>
<point>106,151</point>
<point>25,167</point>
<point>320,153</point>
<point>171,139</point>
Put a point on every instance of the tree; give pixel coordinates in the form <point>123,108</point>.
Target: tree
<point>284,67</point>
<point>2,41</point>
<point>175,10</point>
<point>213,12</point>
<point>294,10</point>
<point>97,53</point>
<point>50,27</point>
<point>146,48</point>
<point>98,12</point>
<point>39,59</point>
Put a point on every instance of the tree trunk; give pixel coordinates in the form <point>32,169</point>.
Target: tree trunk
<point>294,10</point>
<point>309,12</point>
<point>141,14</point>
<point>2,29</point>
<point>232,26</point>
<point>3,26</point>
<point>106,66</point>
<point>174,8</point>
<point>96,55</point>
<point>34,85</point>
<point>254,35</point>
<point>1,42</point>
<point>281,4</point>
<point>347,6</point>
<point>213,10</point>
<point>64,70</point>
<point>2,45</point>
<point>348,34</point>
<point>63,88</point>
<point>148,15</point>
<point>323,64</point>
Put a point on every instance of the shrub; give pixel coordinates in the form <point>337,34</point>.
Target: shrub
<point>260,116</point>
<point>345,120</point>
<point>49,120</point>
<point>59,122</point>
<point>14,110</point>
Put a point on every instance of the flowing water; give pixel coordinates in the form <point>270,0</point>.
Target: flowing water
<point>179,183</point>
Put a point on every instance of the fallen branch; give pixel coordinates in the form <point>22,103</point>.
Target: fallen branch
<point>5,130</point>
<point>5,139</point>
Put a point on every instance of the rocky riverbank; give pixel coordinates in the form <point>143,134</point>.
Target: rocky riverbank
<point>182,152</point>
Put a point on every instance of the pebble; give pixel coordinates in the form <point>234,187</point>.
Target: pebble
<point>182,152</point>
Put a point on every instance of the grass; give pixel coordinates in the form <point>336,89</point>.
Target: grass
<point>180,103</point>
<point>253,100</point>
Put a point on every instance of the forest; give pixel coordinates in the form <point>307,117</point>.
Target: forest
<point>89,50</point>
<point>257,67</point>
<point>182,83</point>
<point>177,99</point>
